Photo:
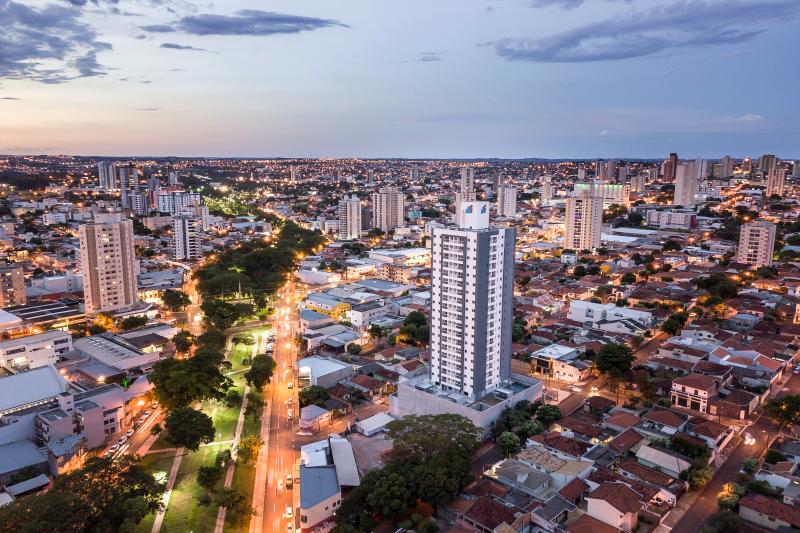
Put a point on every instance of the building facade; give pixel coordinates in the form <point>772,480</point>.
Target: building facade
<point>187,231</point>
<point>349,218</point>
<point>583,222</point>
<point>756,243</point>
<point>388,209</point>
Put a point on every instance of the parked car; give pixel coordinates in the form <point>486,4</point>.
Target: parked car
<point>289,480</point>
<point>122,439</point>
<point>289,512</point>
<point>113,448</point>
<point>129,433</point>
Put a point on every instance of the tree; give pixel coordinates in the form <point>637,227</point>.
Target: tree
<point>724,522</point>
<point>103,495</point>
<point>208,476</point>
<point>313,394</point>
<point>175,299</point>
<point>133,322</point>
<point>509,444</point>
<point>750,465</point>
<point>439,480</point>
<point>671,326</point>
<point>699,477</point>
<point>179,383</point>
<point>728,497</point>
<point>671,246</point>
<point>183,341</point>
<point>354,349</point>
<point>614,358</point>
<point>784,410</point>
<point>246,340</point>
<point>233,398</point>
<point>260,372</point>
<point>531,428</point>
<point>220,314</point>
<point>389,494</point>
<point>416,318</point>
<point>247,450</point>
<point>547,414</point>
<point>189,428</point>
<point>417,438</point>
<point>236,507</point>
<point>377,332</point>
<point>579,271</point>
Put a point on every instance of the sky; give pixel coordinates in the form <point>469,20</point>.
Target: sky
<point>416,79</point>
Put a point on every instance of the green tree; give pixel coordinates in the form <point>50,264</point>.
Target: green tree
<point>246,340</point>
<point>104,495</point>
<point>614,358</point>
<point>509,444</point>
<point>784,410</point>
<point>547,414</point>
<point>699,477</point>
<point>183,341</point>
<point>354,349</point>
<point>417,438</point>
<point>233,398</point>
<point>189,428</point>
<point>750,465</point>
<point>208,476</point>
<point>416,318</point>
<point>220,314</point>
<point>313,394</point>
<point>671,326</point>
<point>179,383</point>
<point>389,494</point>
<point>247,450</point>
<point>530,428</point>
<point>175,299</point>
<point>724,522</point>
<point>377,332</point>
<point>236,507</point>
<point>133,322</point>
<point>260,372</point>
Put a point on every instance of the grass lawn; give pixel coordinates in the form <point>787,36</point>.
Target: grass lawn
<point>157,463</point>
<point>185,512</point>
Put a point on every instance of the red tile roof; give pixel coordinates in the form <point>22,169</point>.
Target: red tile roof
<point>587,524</point>
<point>489,513</point>
<point>665,417</point>
<point>772,508</point>
<point>626,440</point>
<point>619,495</point>
<point>574,490</point>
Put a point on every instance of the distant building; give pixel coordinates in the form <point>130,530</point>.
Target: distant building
<point>108,264</point>
<point>388,209</point>
<point>672,219</point>
<point>583,222</point>
<point>187,231</point>
<point>506,201</point>
<point>775,180</point>
<point>349,218</point>
<point>12,286</point>
<point>687,182</point>
<point>756,243</point>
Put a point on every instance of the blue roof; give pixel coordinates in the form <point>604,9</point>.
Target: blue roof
<point>310,314</point>
<point>19,454</point>
<point>317,484</point>
<point>310,412</point>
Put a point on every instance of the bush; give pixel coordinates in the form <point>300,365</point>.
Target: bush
<point>233,398</point>
<point>774,456</point>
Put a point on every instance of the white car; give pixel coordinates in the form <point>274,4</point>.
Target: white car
<point>289,527</point>
<point>796,371</point>
<point>122,439</point>
<point>113,448</point>
<point>748,439</point>
<point>289,513</point>
<point>576,389</point>
<point>594,388</point>
<point>129,433</point>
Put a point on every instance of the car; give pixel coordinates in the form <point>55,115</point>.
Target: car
<point>147,413</point>
<point>108,452</point>
<point>113,448</point>
<point>122,439</point>
<point>594,388</point>
<point>142,420</point>
<point>576,389</point>
<point>796,371</point>
<point>748,439</point>
<point>290,401</point>
<point>289,527</point>
<point>290,385</point>
<point>129,433</point>
<point>289,513</point>
<point>289,480</point>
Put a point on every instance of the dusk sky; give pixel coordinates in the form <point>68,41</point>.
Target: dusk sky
<point>417,78</point>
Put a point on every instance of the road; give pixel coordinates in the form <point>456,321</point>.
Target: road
<point>281,453</point>
<point>764,430</point>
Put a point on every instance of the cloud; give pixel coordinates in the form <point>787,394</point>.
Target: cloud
<point>563,4</point>
<point>48,44</point>
<point>427,57</point>
<point>604,132</point>
<point>175,46</point>
<point>147,108</point>
<point>673,27</point>
<point>9,98</point>
<point>747,117</point>
<point>244,22</point>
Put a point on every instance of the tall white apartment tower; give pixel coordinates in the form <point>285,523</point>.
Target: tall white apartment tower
<point>128,184</point>
<point>388,209</point>
<point>293,174</point>
<point>108,264</point>
<point>467,179</point>
<point>471,303</point>
<point>107,174</point>
<point>349,218</point>
<point>506,201</point>
<point>726,170</point>
<point>173,179</point>
<point>775,180</point>
<point>583,221</point>
<point>687,183</point>
<point>756,243</point>
<point>187,231</point>
<point>546,189</point>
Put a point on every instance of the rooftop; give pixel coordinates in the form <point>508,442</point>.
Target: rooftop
<point>33,386</point>
<point>317,484</point>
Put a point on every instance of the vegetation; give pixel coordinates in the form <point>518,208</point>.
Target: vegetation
<point>724,522</point>
<point>175,300</point>
<point>415,329</point>
<point>189,428</point>
<point>104,495</point>
<point>509,443</point>
<point>183,341</point>
<point>784,410</point>
<point>260,372</point>
<point>179,383</point>
<point>728,497</point>
<point>313,394</point>
<point>133,322</point>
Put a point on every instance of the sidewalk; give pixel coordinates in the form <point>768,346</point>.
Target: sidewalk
<point>173,474</point>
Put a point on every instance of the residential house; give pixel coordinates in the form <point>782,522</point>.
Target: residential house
<point>615,504</point>
<point>768,513</point>
<point>693,391</point>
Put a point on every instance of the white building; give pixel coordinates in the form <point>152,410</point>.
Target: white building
<point>472,283</point>
<point>775,181</point>
<point>107,174</point>
<point>187,231</point>
<point>672,219</point>
<point>506,201</point>
<point>687,182</point>
<point>108,264</point>
<point>756,243</point>
<point>174,202</point>
<point>33,351</point>
<point>583,222</point>
<point>388,209</point>
<point>349,218</point>
<point>611,193</point>
<point>586,311</point>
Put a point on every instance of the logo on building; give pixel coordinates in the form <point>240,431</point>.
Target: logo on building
<point>468,210</point>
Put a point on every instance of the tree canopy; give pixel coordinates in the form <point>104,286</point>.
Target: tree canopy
<point>417,438</point>
<point>260,372</point>
<point>614,358</point>
<point>189,428</point>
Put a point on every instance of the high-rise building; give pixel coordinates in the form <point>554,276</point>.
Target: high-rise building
<point>747,164</point>
<point>471,304</point>
<point>174,202</point>
<point>687,183</point>
<point>108,264</point>
<point>796,169</point>
<point>583,221</point>
<point>639,182</point>
<point>139,202</point>
<point>467,179</point>
<point>388,209</point>
<point>349,218</point>
<point>128,177</point>
<point>775,180</point>
<point>294,174</point>
<point>673,166</point>
<point>498,180</point>
<point>546,190</point>
<point>768,162</point>
<point>756,243</point>
<point>107,174</point>
<point>187,231</point>
<point>173,179</point>
<point>581,173</point>
<point>726,169</point>
<point>12,286</point>
<point>413,174</point>
<point>370,177</point>
<point>611,193</point>
<point>506,201</point>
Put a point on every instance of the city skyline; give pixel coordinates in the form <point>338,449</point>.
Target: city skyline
<point>505,79</point>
